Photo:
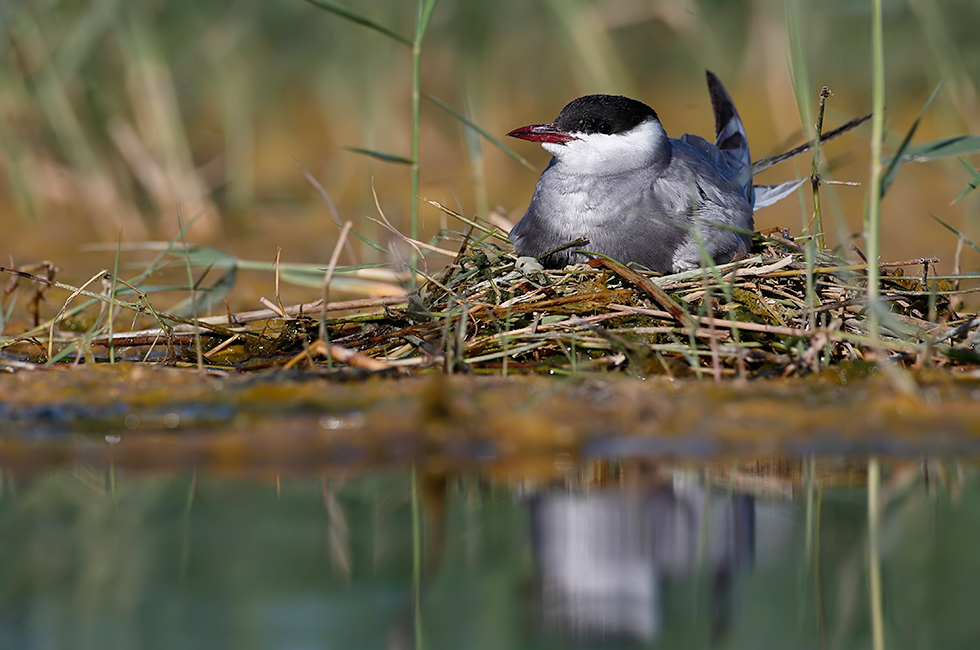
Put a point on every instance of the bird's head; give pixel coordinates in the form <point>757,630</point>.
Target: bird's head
<point>600,135</point>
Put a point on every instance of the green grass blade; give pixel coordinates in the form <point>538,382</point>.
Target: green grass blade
<point>203,299</point>
<point>428,6</point>
<point>956,146</point>
<point>377,247</point>
<point>424,14</point>
<point>476,127</point>
<point>799,70</point>
<point>972,185</point>
<point>897,159</point>
<point>354,17</point>
<point>196,256</point>
<point>473,145</point>
<point>381,155</point>
<point>969,242</point>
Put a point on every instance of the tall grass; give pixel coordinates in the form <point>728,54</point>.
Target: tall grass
<point>77,94</point>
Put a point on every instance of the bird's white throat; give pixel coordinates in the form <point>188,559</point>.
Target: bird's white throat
<point>600,154</point>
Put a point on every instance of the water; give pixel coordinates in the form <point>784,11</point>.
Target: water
<point>606,553</point>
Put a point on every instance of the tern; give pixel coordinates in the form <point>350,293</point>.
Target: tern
<point>638,196</point>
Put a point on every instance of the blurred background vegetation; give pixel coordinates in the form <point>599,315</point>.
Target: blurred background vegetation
<point>112,113</point>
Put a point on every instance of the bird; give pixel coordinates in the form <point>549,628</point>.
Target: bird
<point>637,195</point>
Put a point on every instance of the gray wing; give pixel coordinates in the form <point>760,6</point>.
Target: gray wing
<point>684,211</point>
<point>720,209</point>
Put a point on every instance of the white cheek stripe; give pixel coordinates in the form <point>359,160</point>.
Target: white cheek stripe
<point>592,153</point>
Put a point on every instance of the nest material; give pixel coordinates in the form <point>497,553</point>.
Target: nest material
<point>785,310</point>
<point>773,312</point>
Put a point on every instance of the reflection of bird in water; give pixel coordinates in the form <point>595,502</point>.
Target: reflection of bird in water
<point>602,557</point>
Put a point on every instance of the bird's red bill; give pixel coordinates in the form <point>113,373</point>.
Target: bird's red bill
<point>542,133</point>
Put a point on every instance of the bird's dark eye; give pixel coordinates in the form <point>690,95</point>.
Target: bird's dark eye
<point>604,128</point>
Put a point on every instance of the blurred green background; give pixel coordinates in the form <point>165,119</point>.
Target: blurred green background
<point>113,112</point>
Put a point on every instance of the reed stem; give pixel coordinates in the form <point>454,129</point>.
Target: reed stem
<point>872,225</point>
<point>815,169</point>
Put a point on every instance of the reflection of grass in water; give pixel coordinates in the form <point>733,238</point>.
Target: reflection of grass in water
<point>107,566</point>
<point>874,553</point>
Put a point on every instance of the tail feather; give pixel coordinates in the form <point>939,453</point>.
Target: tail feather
<point>729,133</point>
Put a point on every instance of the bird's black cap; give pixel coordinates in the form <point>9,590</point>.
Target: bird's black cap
<point>606,114</point>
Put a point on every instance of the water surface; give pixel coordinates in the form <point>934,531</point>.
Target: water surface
<point>602,553</point>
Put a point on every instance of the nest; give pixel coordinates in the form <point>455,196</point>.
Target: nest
<point>785,310</point>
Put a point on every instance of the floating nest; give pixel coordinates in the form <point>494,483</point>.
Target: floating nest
<point>785,310</point>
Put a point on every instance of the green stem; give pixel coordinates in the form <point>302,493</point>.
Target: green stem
<point>872,224</point>
<point>416,116</point>
<point>815,169</point>
<point>425,9</point>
